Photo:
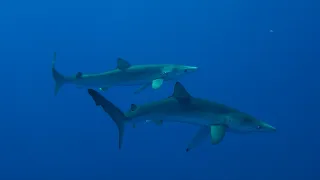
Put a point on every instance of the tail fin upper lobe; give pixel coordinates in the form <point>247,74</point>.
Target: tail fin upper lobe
<point>59,78</point>
<point>114,112</point>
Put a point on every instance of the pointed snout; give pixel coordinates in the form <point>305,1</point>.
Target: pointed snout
<point>269,128</point>
<point>190,68</point>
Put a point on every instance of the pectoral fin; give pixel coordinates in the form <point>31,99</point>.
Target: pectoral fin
<point>217,133</point>
<point>200,136</point>
<point>141,88</point>
<point>157,83</point>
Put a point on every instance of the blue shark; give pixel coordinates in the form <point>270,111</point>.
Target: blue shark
<point>214,119</point>
<point>125,74</point>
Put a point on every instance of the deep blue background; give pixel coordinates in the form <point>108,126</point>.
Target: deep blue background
<point>273,76</point>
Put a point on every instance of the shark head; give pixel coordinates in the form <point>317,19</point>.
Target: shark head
<point>179,70</point>
<point>241,122</point>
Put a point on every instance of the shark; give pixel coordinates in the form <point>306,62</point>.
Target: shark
<point>124,74</point>
<point>214,119</point>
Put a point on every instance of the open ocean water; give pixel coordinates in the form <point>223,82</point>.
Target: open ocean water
<point>261,57</point>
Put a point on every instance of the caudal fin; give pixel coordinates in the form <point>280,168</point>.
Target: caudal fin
<point>113,111</point>
<point>58,78</point>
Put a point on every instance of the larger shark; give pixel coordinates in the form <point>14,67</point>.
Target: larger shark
<point>213,118</point>
<point>124,74</point>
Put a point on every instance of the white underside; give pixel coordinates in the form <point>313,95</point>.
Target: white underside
<point>108,83</point>
<point>195,119</point>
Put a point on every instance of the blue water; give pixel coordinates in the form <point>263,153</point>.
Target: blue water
<point>261,57</point>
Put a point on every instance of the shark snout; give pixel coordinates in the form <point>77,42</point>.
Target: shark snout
<point>190,69</point>
<point>269,128</point>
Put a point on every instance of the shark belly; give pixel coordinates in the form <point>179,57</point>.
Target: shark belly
<point>188,118</point>
<point>195,118</point>
<point>115,79</point>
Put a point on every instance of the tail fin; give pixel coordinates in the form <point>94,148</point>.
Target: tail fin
<point>59,78</point>
<point>114,112</point>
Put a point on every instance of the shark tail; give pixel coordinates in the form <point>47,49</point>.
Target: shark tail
<point>58,77</point>
<point>113,111</point>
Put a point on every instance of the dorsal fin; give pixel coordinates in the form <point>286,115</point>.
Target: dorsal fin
<point>180,93</point>
<point>133,107</point>
<point>123,64</point>
<point>79,75</point>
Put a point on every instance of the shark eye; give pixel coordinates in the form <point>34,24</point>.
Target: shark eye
<point>186,70</point>
<point>258,127</point>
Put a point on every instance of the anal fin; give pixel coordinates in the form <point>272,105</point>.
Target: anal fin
<point>158,122</point>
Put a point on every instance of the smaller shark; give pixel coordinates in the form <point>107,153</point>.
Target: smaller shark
<point>213,118</point>
<point>124,74</point>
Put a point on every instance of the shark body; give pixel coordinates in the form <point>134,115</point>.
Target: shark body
<point>124,74</point>
<point>213,118</point>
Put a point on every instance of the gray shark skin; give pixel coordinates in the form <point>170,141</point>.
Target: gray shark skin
<point>213,118</point>
<point>124,74</point>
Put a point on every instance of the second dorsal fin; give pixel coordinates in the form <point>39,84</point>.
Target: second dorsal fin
<point>79,75</point>
<point>122,64</point>
<point>133,107</point>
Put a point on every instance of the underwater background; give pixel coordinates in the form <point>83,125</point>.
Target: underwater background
<point>261,57</point>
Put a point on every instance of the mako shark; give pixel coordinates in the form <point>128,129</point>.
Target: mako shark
<point>213,118</point>
<point>124,74</point>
